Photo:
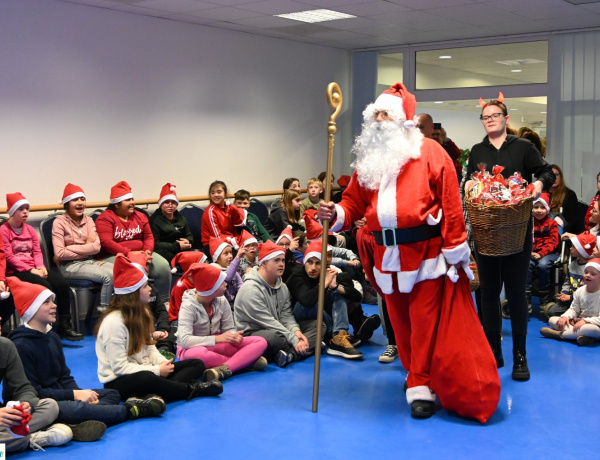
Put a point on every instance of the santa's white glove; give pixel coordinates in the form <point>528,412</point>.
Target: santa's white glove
<point>453,272</point>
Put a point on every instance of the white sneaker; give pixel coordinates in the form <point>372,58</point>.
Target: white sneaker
<point>389,355</point>
<point>55,435</point>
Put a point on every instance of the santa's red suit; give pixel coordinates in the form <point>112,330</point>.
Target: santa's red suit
<point>424,198</point>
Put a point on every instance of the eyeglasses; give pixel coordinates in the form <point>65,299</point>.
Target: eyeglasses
<point>493,116</point>
<point>594,211</point>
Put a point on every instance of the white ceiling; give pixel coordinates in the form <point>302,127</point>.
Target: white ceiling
<point>379,23</point>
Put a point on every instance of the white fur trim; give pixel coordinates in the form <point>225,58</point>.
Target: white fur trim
<point>16,206</point>
<point>457,254</point>
<point>36,304</point>
<point>130,289</point>
<point>250,241</point>
<point>271,256</point>
<point>72,196</point>
<point>245,218</point>
<point>596,265</point>
<point>340,219</point>
<point>541,201</point>
<point>580,249</point>
<point>420,393</point>
<point>309,255</point>
<point>118,199</point>
<point>168,197</point>
<point>140,268</point>
<point>219,250</point>
<point>216,286</point>
<point>384,281</point>
<point>4,295</point>
<point>429,269</point>
<point>452,273</point>
<point>386,203</point>
<point>391,260</point>
<point>434,220</point>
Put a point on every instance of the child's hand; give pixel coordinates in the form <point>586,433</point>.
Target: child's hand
<point>578,325</point>
<point>10,417</point>
<point>294,244</point>
<point>184,244</point>
<point>536,256</point>
<point>228,337</point>
<point>241,252</point>
<point>302,346</point>
<point>562,322</point>
<point>160,335</point>
<point>563,297</point>
<point>88,396</point>
<point>567,236</point>
<point>91,238</point>
<point>239,337</point>
<point>166,368</point>
<point>148,255</point>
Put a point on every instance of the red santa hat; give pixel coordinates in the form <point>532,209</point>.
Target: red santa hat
<point>28,297</point>
<point>167,193</point>
<point>313,250</point>
<point>584,243</point>
<point>138,260</point>
<point>398,102</point>
<point>120,192</point>
<point>544,200</point>
<point>206,278</point>
<point>71,192</point>
<point>14,201</point>
<point>594,263</point>
<point>245,239</point>
<point>216,246</point>
<point>127,277</point>
<point>285,233</point>
<point>187,258</point>
<point>268,250</point>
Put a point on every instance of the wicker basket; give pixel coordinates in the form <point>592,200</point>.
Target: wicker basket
<point>499,230</point>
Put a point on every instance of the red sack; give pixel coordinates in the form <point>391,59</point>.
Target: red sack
<point>463,369</point>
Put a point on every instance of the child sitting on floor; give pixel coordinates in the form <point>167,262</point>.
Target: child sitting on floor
<point>581,322</point>
<point>207,331</point>
<point>222,256</point>
<point>185,261</point>
<point>250,259</point>
<point>581,252</point>
<point>41,351</point>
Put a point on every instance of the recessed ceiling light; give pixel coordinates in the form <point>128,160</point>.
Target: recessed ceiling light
<point>543,112</point>
<point>516,70</point>
<point>438,102</point>
<point>315,16</point>
<point>445,57</point>
<point>514,109</point>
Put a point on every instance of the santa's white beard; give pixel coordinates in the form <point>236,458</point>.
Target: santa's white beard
<point>384,147</point>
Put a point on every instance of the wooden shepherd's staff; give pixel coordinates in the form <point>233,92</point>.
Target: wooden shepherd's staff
<point>334,99</point>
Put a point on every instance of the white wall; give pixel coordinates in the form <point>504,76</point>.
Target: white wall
<point>93,96</point>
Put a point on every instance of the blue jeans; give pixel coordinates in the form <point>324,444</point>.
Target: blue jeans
<point>335,313</point>
<point>544,265</point>
<point>108,409</point>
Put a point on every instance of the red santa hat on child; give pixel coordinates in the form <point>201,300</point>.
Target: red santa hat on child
<point>71,192</point>
<point>544,200</point>
<point>399,103</point>
<point>167,193</point>
<point>28,297</point>
<point>216,246</point>
<point>245,239</point>
<point>127,277</point>
<point>285,233</point>
<point>14,201</point>
<point>138,260</point>
<point>314,250</point>
<point>268,250</point>
<point>206,278</point>
<point>584,243</point>
<point>120,192</point>
<point>187,258</point>
<point>594,263</point>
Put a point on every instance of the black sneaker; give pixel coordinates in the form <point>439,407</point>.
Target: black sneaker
<point>149,406</point>
<point>340,345</point>
<point>88,431</point>
<point>211,388</point>
<point>354,340</point>
<point>282,358</point>
<point>368,326</point>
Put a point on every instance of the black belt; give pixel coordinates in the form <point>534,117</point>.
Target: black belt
<point>391,237</point>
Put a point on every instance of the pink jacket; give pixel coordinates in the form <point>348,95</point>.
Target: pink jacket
<point>69,239</point>
<point>23,251</point>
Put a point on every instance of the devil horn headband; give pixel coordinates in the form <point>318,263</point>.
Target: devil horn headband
<point>500,99</point>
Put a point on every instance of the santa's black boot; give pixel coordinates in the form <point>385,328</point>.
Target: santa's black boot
<point>65,329</point>
<point>520,370</point>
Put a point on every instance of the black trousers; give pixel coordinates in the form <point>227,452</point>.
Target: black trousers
<point>171,388</point>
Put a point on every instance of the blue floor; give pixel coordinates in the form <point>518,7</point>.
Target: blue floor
<point>362,413</point>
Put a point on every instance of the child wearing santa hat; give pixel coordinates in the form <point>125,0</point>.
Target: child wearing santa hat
<point>76,241</point>
<point>582,250</point>
<point>128,360</point>
<point>220,219</point>
<point>206,329</point>
<point>184,260</point>
<point>171,231</point>
<point>25,261</point>
<point>581,322</point>
<point>88,411</point>
<point>123,229</point>
<point>290,245</point>
<point>249,259</point>
<point>222,256</point>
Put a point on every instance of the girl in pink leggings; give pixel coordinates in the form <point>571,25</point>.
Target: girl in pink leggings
<point>207,331</point>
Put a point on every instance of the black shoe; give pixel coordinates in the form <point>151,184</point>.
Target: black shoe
<point>88,431</point>
<point>505,309</point>
<point>369,299</point>
<point>282,358</point>
<point>149,406</point>
<point>422,409</point>
<point>354,340</point>
<point>520,370</point>
<point>66,331</point>
<point>368,326</point>
<point>405,388</point>
<point>212,388</point>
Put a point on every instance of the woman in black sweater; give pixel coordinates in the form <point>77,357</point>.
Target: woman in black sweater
<point>515,154</point>
<point>564,200</point>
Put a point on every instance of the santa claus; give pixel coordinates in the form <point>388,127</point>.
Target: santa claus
<point>405,186</point>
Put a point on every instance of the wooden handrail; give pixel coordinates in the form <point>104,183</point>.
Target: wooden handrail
<point>104,204</point>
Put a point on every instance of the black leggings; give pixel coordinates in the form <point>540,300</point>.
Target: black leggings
<point>512,271</point>
<point>171,388</point>
<point>56,283</point>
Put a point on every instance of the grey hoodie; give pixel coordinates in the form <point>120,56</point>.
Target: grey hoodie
<point>259,306</point>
